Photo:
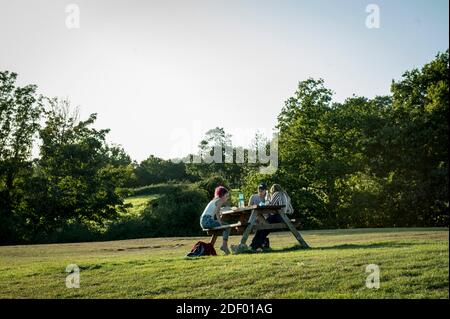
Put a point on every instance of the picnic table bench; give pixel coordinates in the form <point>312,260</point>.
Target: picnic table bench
<point>246,220</point>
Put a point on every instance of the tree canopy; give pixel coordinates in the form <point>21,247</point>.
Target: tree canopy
<point>363,162</point>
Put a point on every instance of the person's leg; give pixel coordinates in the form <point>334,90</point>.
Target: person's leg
<point>209,222</point>
<point>275,218</point>
<point>266,243</point>
<point>261,235</point>
<point>224,247</point>
<point>258,239</point>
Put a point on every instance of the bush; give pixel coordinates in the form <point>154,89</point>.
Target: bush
<point>157,189</point>
<point>70,233</point>
<point>176,213</point>
<point>211,183</point>
<point>128,228</point>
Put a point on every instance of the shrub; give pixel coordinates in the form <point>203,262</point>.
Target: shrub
<point>70,232</point>
<point>176,213</point>
<point>157,189</point>
<point>209,184</point>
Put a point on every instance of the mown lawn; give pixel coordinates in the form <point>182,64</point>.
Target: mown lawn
<point>414,263</point>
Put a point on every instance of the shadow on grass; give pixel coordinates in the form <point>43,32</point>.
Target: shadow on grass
<point>335,247</point>
<point>386,244</point>
<point>342,246</point>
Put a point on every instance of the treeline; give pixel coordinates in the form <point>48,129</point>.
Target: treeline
<point>76,178</point>
<point>380,162</point>
<point>154,170</point>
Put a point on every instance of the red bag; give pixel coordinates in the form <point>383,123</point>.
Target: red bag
<point>202,249</point>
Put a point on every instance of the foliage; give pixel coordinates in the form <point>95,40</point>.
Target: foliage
<point>369,162</point>
<point>20,111</point>
<point>210,183</point>
<point>362,162</point>
<point>175,213</point>
<point>76,179</point>
<point>154,170</point>
<point>157,189</point>
<point>216,156</point>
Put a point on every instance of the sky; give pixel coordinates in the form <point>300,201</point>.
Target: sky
<point>159,74</point>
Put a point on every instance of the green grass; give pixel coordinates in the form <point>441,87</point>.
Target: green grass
<point>414,263</point>
<point>139,203</point>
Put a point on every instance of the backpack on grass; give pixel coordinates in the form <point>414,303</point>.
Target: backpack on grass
<point>202,249</point>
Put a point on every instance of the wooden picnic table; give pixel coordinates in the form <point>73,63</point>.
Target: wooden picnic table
<point>245,220</point>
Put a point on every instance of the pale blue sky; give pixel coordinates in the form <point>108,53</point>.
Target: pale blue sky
<point>155,69</point>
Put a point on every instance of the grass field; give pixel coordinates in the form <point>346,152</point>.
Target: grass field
<point>413,263</point>
<point>139,203</point>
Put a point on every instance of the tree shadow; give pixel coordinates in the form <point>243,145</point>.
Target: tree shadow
<point>387,244</point>
<point>341,246</point>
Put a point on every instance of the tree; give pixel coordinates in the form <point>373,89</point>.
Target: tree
<point>154,170</point>
<point>76,177</point>
<point>217,157</point>
<point>416,165</point>
<point>354,125</point>
<point>378,162</point>
<point>20,109</point>
<point>306,166</point>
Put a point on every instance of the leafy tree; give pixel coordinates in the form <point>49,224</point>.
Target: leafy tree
<point>416,139</point>
<point>379,162</point>
<point>306,155</point>
<point>212,163</point>
<point>20,109</point>
<point>76,177</point>
<point>154,170</point>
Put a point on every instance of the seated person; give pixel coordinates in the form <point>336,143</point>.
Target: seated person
<point>260,197</point>
<point>278,197</point>
<point>210,217</point>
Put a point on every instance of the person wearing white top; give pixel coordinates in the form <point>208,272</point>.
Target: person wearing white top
<point>210,217</point>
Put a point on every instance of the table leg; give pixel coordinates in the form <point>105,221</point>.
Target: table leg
<point>294,231</point>
<point>251,223</point>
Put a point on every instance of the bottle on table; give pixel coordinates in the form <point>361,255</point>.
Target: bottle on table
<point>241,200</point>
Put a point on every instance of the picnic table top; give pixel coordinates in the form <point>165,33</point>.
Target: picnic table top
<point>247,209</point>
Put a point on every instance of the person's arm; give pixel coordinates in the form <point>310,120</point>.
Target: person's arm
<point>250,200</point>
